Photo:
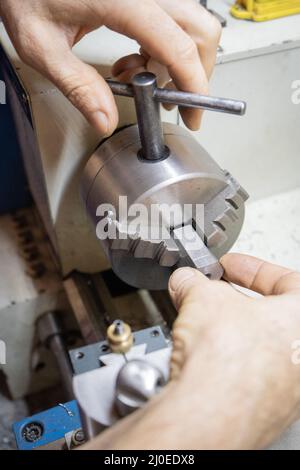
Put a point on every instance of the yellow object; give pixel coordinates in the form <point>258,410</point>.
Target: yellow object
<point>119,336</point>
<point>263,10</point>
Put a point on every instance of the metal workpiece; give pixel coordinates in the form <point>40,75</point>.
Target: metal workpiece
<point>119,337</point>
<point>195,253</point>
<point>137,382</point>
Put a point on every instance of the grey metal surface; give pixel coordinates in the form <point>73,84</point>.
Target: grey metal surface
<point>196,253</point>
<point>213,12</point>
<point>95,389</point>
<point>181,173</point>
<point>88,357</point>
<point>87,306</point>
<point>148,117</point>
<point>147,97</point>
<point>51,332</point>
<point>184,99</point>
<point>188,176</point>
<point>49,325</point>
<point>136,383</point>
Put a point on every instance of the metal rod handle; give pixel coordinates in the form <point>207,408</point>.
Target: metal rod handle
<point>184,99</point>
<point>193,100</point>
<point>148,118</point>
<point>147,98</point>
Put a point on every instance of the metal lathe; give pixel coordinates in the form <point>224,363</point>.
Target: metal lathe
<point>149,163</point>
<point>112,219</point>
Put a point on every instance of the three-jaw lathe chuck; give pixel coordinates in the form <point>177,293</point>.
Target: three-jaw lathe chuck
<point>156,197</point>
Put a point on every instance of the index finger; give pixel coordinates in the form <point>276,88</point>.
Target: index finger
<point>258,275</point>
<point>165,41</point>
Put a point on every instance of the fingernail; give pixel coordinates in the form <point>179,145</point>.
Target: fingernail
<point>179,276</point>
<point>100,121</point>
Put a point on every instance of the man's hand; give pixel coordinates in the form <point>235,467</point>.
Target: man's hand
<point>182,36</point>
<point>234,382</point>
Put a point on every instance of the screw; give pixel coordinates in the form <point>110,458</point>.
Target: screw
<point>104,348</point>
<point>154,333</point>
<point>78,437</point>
<point>79,355</point>
<point>32,432</point>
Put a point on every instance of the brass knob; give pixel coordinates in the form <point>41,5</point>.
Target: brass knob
<point>119,336</point>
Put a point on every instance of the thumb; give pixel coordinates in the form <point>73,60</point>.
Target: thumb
<point>86,90</point>
<point>186,285</point>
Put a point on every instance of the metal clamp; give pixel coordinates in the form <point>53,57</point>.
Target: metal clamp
<point>147,97</point>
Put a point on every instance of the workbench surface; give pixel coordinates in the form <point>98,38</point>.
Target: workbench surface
<point>241,38</point>
<point>272,229</point>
